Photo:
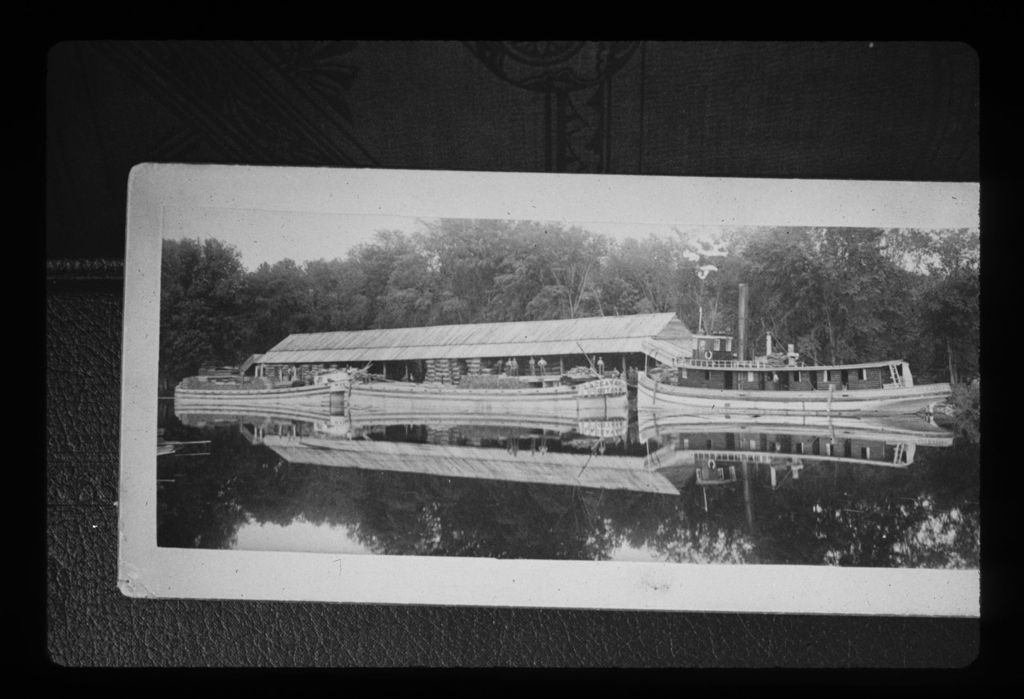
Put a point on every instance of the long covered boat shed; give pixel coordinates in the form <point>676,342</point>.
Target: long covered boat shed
<point>445,353</point>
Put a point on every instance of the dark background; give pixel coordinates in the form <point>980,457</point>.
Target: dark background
<point>883,110</point>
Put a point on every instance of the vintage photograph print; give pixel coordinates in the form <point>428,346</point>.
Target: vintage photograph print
<point>552,390</point>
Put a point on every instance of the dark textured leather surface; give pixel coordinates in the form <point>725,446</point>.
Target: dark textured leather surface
<point>694,109</point>
<point>901,111</point>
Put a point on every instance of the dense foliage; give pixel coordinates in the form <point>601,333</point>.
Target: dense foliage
<point>839,295</point>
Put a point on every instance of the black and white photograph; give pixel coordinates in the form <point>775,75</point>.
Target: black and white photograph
<point>551,390</point>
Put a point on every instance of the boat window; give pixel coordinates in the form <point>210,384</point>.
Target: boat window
<point>750,377</point>
<point>753,445</point>
<point>799,447</point>
<point>686,443</point>
<point>716,345</point>
<point>863,374</point>
<point>798,376</point>
<point>865,452</point>
<point>828,449</point>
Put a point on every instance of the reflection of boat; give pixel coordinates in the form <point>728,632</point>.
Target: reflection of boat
<point>181,448</point>
<point>713,452</point>
<point>454,414</point>
<point>546,467</point>
<point>694,442</point>
<point>655,425</point>
<point>615,428</point>
<point>203,414</point>
<point>461,423</point>
<point>254,426</point>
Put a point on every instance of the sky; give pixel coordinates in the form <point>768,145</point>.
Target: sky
<point>269,214</point>
<point>301,535</point>
<point>272,235</point>
<point>264,235</point>
<point>298,535</point>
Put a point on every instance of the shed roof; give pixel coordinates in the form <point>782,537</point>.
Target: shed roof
<point>607,334</point>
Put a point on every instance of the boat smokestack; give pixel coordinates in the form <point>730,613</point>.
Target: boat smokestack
<point>743,323</point>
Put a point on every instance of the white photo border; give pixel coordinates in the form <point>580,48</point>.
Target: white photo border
<point>146,570</point>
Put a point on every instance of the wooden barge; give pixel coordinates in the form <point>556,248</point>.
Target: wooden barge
<point>316,399</point>
<point>601,402</point>
<point>604,399</point>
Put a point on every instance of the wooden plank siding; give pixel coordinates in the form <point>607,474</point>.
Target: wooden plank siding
<point>700,378</point>
<point>876,377</point>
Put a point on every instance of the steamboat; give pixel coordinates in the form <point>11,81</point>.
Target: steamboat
<point>714,380</point>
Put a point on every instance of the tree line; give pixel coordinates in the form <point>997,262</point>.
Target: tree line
<point>838,295</point>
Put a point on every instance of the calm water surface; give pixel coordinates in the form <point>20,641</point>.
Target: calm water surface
<point>734,493</point>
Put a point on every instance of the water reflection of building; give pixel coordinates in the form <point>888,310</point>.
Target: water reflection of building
<point>535,466</point>
<point>496,447</point>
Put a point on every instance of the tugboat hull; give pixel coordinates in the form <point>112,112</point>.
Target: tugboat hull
<point>652,395</point>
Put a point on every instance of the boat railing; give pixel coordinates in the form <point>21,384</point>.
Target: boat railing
<point>524,374</point>
<point>724,364</point>
<point>752,457</point>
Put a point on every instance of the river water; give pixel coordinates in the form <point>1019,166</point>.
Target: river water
<point>861,493</point>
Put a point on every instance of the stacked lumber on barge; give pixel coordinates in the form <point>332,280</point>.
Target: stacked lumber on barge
<point>444,371</point>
